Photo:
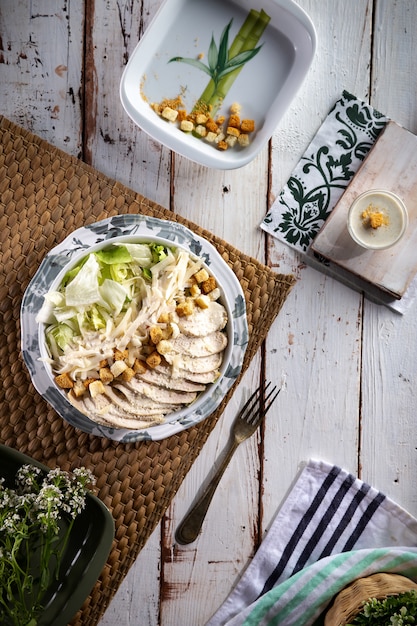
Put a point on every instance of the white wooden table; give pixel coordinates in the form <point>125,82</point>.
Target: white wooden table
<point>348,368</point>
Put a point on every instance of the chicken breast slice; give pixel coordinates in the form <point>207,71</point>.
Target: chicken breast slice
<point>204,378</point>
<point>203,322</point>
<point>195,346</point>
<point>162,377</point>
<point>111,416</point>
<point>194,365</point>
<point>159,394</point>
<point>132,403</point>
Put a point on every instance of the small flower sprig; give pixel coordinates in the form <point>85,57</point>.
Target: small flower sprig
<point>36,518</point>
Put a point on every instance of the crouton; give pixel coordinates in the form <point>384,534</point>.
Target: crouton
<point>187,126</point>
<point>153,360</point>
<point>201,130</point>
<point>215,294</point>
<point>201,275</point>
<point>96,388</point>
<point>203,301</point>
<point>163,318</point>
<point>195,290</point>
<point>169,114</point>
<point>87,382</point>
<point>222,145</point>
<point>231,130</point>
<point>212,126</point>
<point>117,368</point>
<point>247,126</point>
<point>211,137</point>
<point>164,347</point>
<point>208,285</point>
<point>79,389</point>
<point>231,140</point>
<point>139,367</point>
<point>64,381</point>
<point>235,108</point>
<point>127,375</point>
<point>155,334</point>
<point>243,139</point>
<point>200,118</point>
<point>234,121</point>
<point>120,355</point>
<point>106,375</point>
<point>183,309</point>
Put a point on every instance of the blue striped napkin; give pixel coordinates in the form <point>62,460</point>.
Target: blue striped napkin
<point>332,529</point>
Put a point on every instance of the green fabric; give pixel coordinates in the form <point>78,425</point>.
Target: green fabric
<point>311,590</point>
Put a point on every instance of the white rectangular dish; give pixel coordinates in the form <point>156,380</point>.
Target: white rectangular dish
<point>266,84</point>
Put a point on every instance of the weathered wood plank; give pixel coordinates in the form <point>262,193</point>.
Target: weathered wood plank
<point>315,345</point>
<point>41,57</point>
<point>389,427</point>
<point>113,143</point>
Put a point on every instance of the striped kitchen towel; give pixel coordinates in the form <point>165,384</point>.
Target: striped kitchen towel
<point>331,529</point>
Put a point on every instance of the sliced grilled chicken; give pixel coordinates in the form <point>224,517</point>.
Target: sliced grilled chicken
<point>159,394</point>
<point>194,365</point>
<point>162,377</point>
<point>195,346</point>
<point>203,322</point>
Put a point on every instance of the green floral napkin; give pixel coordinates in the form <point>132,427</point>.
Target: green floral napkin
<point>323,173</point>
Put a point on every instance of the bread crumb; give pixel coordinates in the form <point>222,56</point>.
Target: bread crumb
<point>373,218</point>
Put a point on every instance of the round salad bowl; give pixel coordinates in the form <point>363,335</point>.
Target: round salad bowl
<point>131,229</point>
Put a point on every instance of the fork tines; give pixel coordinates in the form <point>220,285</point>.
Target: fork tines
<point>254,403</point>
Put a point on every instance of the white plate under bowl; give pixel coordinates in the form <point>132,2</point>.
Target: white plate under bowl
<point>264,88</point>
<point>132,228</point>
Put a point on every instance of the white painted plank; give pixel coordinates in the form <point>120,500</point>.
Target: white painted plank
<point>137,599</point>
<point>197,576</point>
<point>229,204</point>
<point>115,145</point>
<point>315,345</point>
<point>41,47</point>
<point>389,425</point>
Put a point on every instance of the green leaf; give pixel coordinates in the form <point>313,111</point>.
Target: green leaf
<point>242,57</point>
<point>198,64</point>
<point>223,47</point>
<point>212,55</point>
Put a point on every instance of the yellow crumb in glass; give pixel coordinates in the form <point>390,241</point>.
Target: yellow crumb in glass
<point>373,218</point>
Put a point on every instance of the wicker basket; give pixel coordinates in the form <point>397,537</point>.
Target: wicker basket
<point>349,602</point>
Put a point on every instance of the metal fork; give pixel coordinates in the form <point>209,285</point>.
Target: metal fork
<point>245,424</point>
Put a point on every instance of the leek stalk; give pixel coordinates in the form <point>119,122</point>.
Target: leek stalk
<point>245,41</point>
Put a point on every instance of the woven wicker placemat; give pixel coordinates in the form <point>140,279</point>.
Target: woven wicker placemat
<point>44,195</point>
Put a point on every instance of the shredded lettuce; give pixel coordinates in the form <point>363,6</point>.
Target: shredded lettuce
<point>111,297</point>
